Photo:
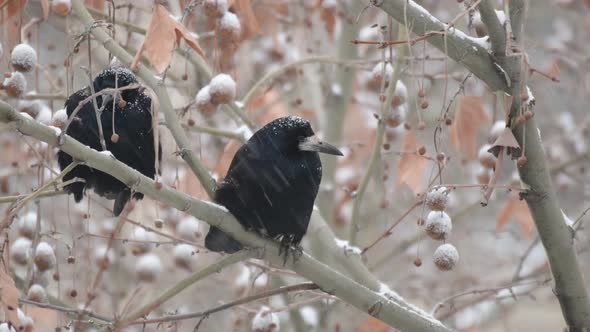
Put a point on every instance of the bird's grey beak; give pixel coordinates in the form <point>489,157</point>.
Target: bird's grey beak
<point>312,143</point>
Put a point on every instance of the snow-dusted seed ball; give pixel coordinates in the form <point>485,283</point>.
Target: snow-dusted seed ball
<point>437,198</point>
<point>184,254</point>
<point>7,327</point>
<point>104,256</point>
<point>60,118</point>
<point>31,107</point>
<point>438,225</point>
<point>496,130</point>
<point>483,175</point>
<point>44,115</point>
<point>188,229</point>
<point>203,101</point>
<point>400,95</point>
<point>27,225</point>
<point>20,250</point>
<point>377,75</point>
<point>222,89</point>
<point>228,27</point>
<point>446,257</point>
<point>215,8</point>
<point>148,267</point>
<point>61,7</point>
<point>44,257</point>
<point>142,241</point>
<point>108,226</point>
<point>23,58</point>
<point>265,321</point>
<point>15,84</point>
<point>26,322</point>
<point>486,159</point>
<point>37,293</point>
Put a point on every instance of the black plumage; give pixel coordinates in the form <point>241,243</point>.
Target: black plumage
<point>133,125</point>
<point>272,183</point>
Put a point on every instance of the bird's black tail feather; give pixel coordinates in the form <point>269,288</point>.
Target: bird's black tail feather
<point>218,241</point>
<point>121,201</point>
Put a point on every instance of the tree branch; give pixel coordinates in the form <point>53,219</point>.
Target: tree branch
<point>496,32</point>
<point>459,47</point>
<point>397,313</point>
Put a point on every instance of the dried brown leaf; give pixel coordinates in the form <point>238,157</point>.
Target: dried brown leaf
<point>244,7</point>
<point>506,139</point>
<point>163,33</point>
<point>373,324</point>
<point>410,167</point>
<point>519,210</point>
<point>9,295</point>
<point>469,116</point>
<point>10,8</point>
<point>45,7</point>
<point>96,4</point>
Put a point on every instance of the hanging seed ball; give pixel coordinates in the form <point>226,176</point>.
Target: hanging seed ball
<point>440,157</point>
<point>446,257</point>
<point>61,7</point>
<point>438,225</point>
<point>27,225</point>
<point>265,321</point>
<point>386,146</point>
<point>486,159</point>
<point>528,114</point>
<point>222,89</point>
<point>214,8</point>
<point>44,257</point>
<point>407,126</point>
<point>159,223</point>
<point>437,199</point>
<point>148,268</point>
<point>418,262</point>
<point>422,150</point>
<point>521,161</point>
<point>20,250</point>
<point>71,260</point>
<point>37,293</point>
<point>393,120</point>
<point>228,27</point>
<point>60,118</point>
<point>73,293</point>
<point>121,103</point>
<point>421,93</point>
<point>23,58</point>
<point>496,130</point>
<point>115,138</point>
<point>184,254</point>
<point>15,84</point>
<point>424,104</point>
<point>483,176</point>
<point>448,121</point>
<point>191,122</point>
<point>203,101</point>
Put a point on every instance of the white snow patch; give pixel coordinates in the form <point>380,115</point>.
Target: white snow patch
<point>531,99</point>
<point>348,249</point>
<point>203,96</point>
<point>309,315</point>
<point>245,132</point>
<point>501,16</point>
<point>567,220</point>
<point>336,89</point>
<point>107,153</point>
<point>56,130</point>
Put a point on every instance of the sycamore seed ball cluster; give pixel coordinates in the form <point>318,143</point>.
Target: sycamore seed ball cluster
<point>438,226</point>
